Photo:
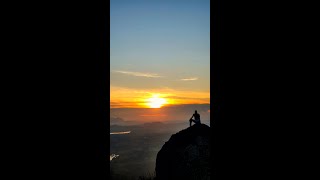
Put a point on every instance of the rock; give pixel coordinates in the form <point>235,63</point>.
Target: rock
<point>186,155</point>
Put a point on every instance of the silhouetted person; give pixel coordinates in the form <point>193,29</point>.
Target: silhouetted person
<point>196,119</point>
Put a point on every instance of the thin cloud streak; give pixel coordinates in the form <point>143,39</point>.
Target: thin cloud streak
<point>140,74</point>
<point>189,79</point>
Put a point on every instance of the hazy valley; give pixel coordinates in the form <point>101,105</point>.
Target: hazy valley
<point>136,151</point>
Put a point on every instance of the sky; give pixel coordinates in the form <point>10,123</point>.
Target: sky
<point>159,53</point>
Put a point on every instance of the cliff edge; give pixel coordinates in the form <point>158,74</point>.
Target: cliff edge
<point>186,155</point>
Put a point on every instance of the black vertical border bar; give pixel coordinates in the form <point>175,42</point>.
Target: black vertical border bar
<point>102,27</point>
<point>216,82</point>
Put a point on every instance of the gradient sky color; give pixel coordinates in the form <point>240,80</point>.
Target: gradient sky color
<point>159,47</point>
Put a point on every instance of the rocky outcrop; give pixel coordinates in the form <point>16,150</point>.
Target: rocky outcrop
<point>186,155</point>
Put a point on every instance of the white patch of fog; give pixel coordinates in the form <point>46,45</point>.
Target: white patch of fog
<point>125,132</point>
<point>113,156</point>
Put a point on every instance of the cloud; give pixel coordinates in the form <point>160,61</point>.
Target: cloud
<point>189,79</point>
<point>139,74</point>
<point>185,97</point>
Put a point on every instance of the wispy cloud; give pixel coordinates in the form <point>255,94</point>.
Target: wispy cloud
<point>189,79</point>
<point>139,74</point>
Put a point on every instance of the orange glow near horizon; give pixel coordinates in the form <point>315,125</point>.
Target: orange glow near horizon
<point>154,98</point>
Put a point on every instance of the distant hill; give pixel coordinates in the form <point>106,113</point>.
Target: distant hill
<point>122,122</point>
<point>154,124</point>
<point>186,155</point>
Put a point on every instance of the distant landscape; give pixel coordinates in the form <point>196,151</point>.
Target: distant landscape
<point>138,149</point>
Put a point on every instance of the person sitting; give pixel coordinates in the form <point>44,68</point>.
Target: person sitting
<point>196,119</point>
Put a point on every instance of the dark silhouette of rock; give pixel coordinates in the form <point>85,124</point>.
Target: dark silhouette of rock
<point>186,155</point>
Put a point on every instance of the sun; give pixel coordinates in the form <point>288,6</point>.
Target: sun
<point>156,102</point>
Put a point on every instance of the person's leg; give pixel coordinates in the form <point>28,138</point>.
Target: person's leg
<point>190,122</point>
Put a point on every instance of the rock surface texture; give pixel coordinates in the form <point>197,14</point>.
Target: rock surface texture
<point>186,155</point>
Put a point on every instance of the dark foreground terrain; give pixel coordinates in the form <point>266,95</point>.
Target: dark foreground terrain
<point>138,150</point>
<point>186,155</point>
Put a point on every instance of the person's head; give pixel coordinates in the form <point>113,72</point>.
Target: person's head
<point>195,112</point>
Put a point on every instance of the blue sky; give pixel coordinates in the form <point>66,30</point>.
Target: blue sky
<point>160,44</point>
